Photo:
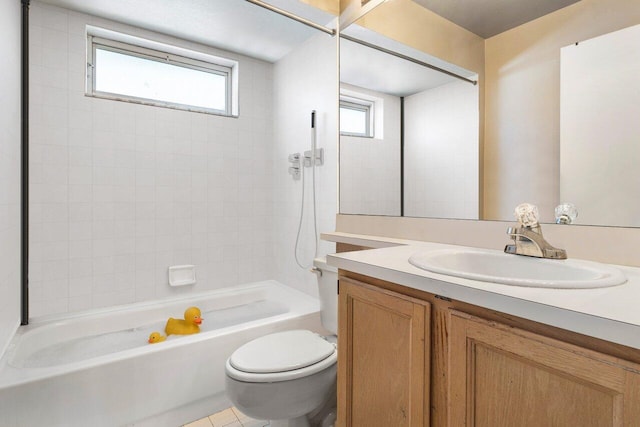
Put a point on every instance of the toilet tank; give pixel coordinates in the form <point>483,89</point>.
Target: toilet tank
<point>328,292</point>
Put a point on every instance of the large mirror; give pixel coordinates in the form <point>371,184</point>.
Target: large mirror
<point>520,135</point>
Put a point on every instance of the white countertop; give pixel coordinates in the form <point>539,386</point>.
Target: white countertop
<point>611,313</point>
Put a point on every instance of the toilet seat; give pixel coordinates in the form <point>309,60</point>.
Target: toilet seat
<point>281,356</point>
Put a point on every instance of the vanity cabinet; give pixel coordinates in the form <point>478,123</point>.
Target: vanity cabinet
<point>384,358</point>
<point>410,358</point>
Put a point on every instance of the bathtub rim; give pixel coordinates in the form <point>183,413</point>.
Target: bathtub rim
<point>57,317</point>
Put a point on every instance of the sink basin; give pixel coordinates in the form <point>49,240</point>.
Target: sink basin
<point>498,267</point>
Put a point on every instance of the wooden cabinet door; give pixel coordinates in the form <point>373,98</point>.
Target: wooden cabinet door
<point>505,377</point>
<point>383,358</point>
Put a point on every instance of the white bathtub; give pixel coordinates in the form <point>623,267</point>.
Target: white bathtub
<point>97,369</point>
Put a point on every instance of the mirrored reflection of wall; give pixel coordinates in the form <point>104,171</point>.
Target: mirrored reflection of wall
<point>370,166</point>
<point>441,152</point>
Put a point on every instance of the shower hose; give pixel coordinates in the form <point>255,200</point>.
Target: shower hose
<point>313,191</point>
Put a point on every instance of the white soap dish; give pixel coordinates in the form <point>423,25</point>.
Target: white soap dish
<point>181,275</point>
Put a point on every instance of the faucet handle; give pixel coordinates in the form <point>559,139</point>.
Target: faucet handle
<point>527,214</point>
<point>566,213</point>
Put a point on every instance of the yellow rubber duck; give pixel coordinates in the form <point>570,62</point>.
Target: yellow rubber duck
<point>190,324</point>
<point>155,338</point>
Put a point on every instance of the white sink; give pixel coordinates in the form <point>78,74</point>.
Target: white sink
<point>498,267</point>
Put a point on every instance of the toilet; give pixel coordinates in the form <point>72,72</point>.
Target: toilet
<point>289,378</point>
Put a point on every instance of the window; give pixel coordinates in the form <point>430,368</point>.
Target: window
<point>134,73</point>
<point>356,117</point>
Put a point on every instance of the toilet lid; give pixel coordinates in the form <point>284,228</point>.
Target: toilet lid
<point>281,352</point>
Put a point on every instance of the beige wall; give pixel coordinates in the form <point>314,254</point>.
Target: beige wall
<point>522,103</point>
<point>331,6</point>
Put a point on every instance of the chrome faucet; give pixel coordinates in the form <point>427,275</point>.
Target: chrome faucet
<point>527,236</point>
<point>529,242</point>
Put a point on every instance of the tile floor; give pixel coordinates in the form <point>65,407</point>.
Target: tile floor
<point>230,417</point>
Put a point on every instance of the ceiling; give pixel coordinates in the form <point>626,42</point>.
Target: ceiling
<point>234,25</point>
<point>487,18</point>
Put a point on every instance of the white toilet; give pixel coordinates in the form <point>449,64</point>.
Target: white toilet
<point>289,377</point>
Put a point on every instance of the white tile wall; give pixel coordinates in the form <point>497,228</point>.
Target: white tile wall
<point>121,191</point>
<point>305,80</point>
<point>9,171</point>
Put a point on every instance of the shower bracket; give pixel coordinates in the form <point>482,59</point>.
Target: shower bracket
<point>319,157</point>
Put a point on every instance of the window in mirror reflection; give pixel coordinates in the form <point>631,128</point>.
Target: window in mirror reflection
<point>356,117</point>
